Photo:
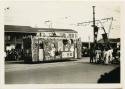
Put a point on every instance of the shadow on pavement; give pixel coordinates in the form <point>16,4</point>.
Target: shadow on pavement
<point>111,77</point>
<point>48,61</point>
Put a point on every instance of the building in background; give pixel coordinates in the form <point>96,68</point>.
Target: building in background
<point>114,43</point>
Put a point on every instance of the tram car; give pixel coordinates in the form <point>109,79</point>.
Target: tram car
<point>42,48</point>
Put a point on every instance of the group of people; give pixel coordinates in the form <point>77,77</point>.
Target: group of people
<point>13,54</point>
<point>103,56</point>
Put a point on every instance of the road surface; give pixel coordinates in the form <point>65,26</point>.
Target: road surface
<point>80,71</point>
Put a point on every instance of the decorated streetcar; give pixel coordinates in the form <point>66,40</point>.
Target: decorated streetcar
<point>51,46</point>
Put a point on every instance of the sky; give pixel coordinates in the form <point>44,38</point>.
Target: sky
<point>64,14</point>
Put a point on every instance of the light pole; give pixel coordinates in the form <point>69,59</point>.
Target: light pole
<point>89,41</point>
<point>49,22</point>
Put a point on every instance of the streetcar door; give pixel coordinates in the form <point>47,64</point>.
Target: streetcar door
<point>41,50</point>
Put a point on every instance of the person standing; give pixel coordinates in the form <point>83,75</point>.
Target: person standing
<point>91,54</point>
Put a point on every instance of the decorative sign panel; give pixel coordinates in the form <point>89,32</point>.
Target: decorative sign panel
<point>67,54</point>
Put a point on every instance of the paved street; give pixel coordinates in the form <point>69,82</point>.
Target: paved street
<point>80,71</point>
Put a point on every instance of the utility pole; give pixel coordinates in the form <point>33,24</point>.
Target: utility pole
<point>93,17</point>
<point>94,23</point>
<point>95,28</point>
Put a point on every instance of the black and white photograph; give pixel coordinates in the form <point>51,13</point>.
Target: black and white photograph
<point>62,42</point>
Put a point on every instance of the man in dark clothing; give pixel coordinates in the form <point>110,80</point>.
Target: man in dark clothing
<point>92,56</point>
